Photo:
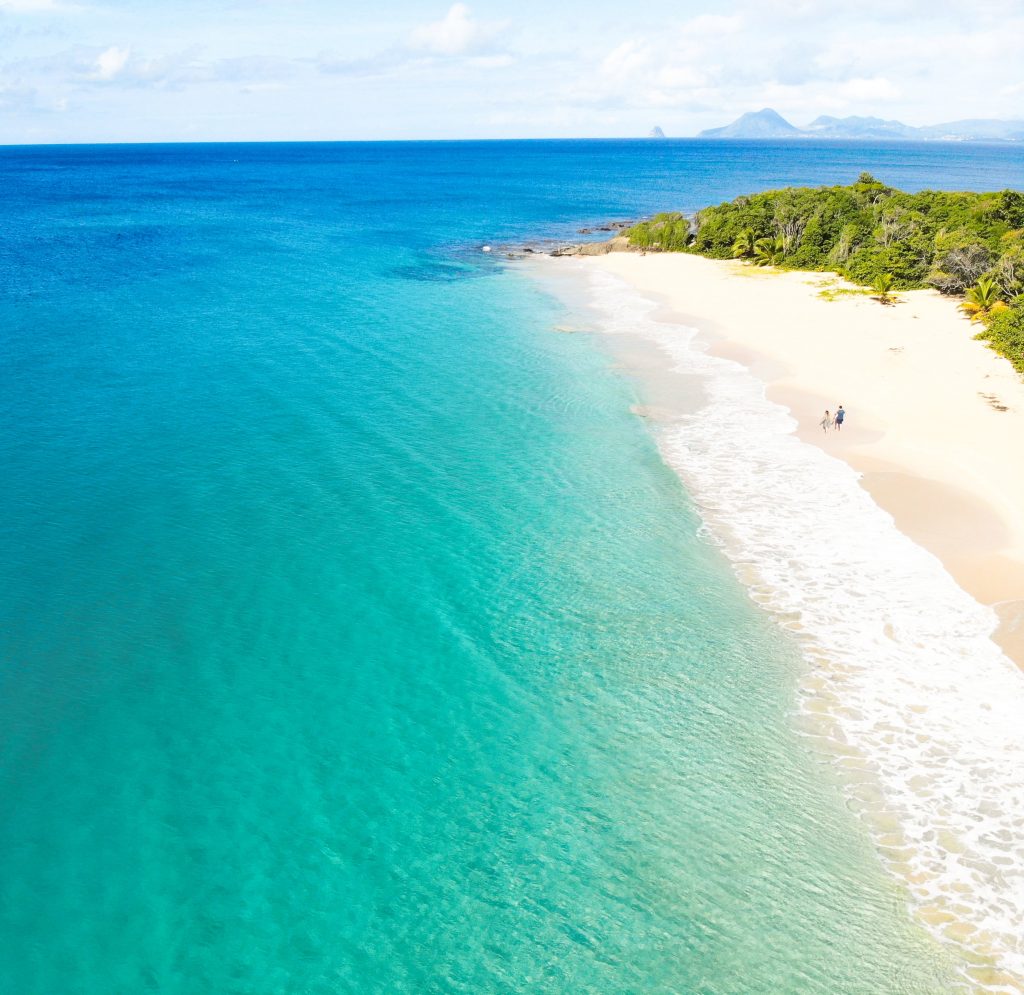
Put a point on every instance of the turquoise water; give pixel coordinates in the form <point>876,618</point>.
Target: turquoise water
<point>354,636</point>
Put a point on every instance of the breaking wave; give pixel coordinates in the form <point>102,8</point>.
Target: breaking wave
<point>920,711</point>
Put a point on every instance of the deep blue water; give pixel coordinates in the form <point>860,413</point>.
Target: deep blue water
<point>353,636</point>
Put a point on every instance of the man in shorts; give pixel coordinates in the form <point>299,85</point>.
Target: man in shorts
<point>840,415</point>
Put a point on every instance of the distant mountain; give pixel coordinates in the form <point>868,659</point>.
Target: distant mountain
<point>977,130</point>
<point>755,124</point>
<point>858,127</point>
<point>656,132</point>
<point>769,124</point>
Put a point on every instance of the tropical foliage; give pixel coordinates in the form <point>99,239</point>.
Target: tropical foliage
<point>1004,331</point>
<point>962,244</point>
<point>769,251</point>
<point>983,299</point>
<point>664,233</point>
<point>882,286</point>
<point>745,244</point>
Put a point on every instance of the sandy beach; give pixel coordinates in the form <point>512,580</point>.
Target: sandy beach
<point>935,418</point>
<point>893,550</point>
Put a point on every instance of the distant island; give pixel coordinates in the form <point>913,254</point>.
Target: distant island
<point>768,123</point>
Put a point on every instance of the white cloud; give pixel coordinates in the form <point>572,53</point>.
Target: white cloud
<point>16,98</point>
<point>457,33</point>
<point>109,63</point>
<point>666,67</point>
<point>674,68</point>
<point>713,25</point>
<point>627,59</point>
<point>612,69</point>
<point>29,6</point>
<point>457,42</point>
<point>271,87</point>
<point>675,99</point>
<point>681,77</point>
<point>876,88</point>
<point>124,68</point>
<point>500,60</point>
<point>743,57</point>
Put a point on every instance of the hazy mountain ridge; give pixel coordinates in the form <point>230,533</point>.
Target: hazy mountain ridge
<point>755,124</point>
<point>768,123</point>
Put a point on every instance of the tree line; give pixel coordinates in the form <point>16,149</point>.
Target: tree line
<point>967,245</point>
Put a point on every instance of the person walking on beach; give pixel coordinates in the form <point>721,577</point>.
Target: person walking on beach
<point>840,415</point>
<point>826,422</point>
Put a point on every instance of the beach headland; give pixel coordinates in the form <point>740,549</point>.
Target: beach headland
<point>935,418</point>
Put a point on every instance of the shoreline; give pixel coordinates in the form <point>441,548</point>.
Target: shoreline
<point>892,550</point>
<point>934,416</point>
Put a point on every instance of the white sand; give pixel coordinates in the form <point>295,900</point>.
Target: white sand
<point>935,419</point>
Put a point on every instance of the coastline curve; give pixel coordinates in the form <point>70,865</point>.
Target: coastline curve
<point>906,692</point>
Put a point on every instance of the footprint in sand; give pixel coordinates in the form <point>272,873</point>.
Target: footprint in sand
<point>994,401</point>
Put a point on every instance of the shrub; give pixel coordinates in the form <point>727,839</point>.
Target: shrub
<point>1005,333</point>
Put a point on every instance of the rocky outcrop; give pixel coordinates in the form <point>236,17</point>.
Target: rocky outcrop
<point>618,244</point>
<point>613,226</point>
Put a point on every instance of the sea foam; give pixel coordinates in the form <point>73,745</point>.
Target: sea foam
<point>919,710</point>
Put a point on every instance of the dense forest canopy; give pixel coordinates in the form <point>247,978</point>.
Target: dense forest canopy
<point>964,244</point>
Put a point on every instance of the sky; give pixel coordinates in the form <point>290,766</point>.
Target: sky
<point>232,70</point>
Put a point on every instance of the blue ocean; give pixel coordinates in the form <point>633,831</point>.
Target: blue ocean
<point>354,635</point>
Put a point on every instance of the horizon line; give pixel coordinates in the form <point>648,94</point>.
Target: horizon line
<point>647,139</point>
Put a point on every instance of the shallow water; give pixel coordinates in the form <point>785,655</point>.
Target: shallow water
<point>354,635</point>
<point>906,693</point>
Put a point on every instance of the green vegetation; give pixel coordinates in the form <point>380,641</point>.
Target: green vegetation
<point>834,293</point>
<point>769,251</point>
<point>984,299</point>
<point>1005,333</point>
<point>663,233</point>
<point>745,244</point>
<point>882,286</point>
<point>967,245</point>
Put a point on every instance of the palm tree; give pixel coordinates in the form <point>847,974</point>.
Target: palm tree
<point>744,244</point>
<point>769,251</point>
<point>882,286</point>
<point>984,299</point>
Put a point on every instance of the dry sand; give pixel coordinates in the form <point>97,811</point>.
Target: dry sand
<point>935,419</point>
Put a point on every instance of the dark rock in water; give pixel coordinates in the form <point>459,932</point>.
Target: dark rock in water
<point>529,250</point>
